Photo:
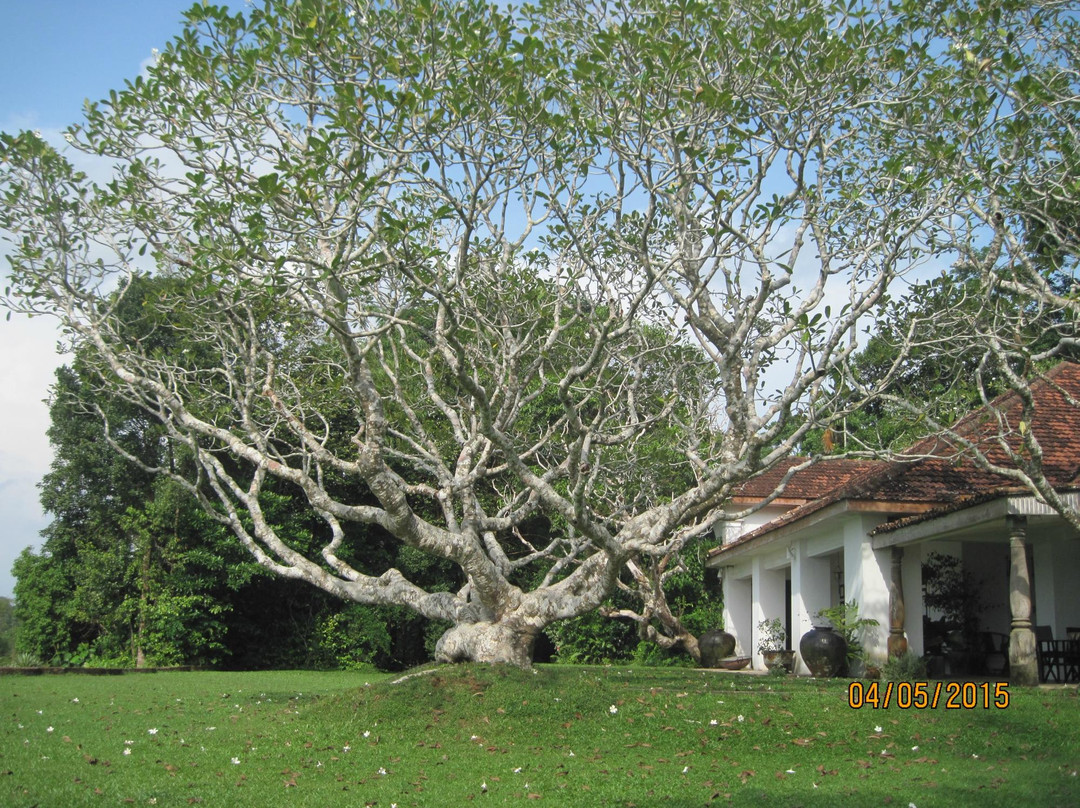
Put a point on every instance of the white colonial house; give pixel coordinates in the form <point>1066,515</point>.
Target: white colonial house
<point>849,530</point>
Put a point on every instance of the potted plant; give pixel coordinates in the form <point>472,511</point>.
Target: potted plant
<point>771,641</point>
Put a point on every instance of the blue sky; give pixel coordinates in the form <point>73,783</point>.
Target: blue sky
<point>54,54</point>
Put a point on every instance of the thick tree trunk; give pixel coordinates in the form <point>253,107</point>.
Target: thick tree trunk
<point>486,642</point>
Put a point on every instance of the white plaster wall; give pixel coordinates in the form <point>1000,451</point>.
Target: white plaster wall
<point>1057,573</point>
<point>911,571</point>
<point>738,612</point>
<point>1067,584</point>
<point>810,592</point>
<point>727,531</point>
<point>866,581</point>
<point>763,516</point>
<point>825,543</point>
<point>768,596</point>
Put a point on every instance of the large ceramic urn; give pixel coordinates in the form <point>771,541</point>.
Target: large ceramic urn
<point>715,645</point>
<point>824,651</point>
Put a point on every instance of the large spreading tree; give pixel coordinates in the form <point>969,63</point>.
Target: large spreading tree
<point>454,270</point>
<point>1009,309</point>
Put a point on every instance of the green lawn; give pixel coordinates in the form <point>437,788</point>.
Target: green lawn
<point>588,736</point>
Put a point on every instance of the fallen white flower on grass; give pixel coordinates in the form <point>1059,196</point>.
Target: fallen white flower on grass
<point>613,709</point>
<point>75,700</point>
<point>48,729</point>
<point>236,761</point>
<point>346,748</point>
<point>382,771</point>
<point>915,749</point>
<point>740,719</point>
<point>790,771</point>
<point>877,729</point>
<point>367,733</point>
<point>685,769</point>
<point>713,723</point>
<point>152,731</point>
<point>127,750</point>
<point>517,770</point>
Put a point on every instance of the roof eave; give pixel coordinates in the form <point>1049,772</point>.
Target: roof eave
<point>1008,504</point>
<point>766,536</point>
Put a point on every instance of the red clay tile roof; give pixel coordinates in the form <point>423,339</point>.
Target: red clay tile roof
<point>938,473</point>
<point>1056,424</point>
<point>810,483</point>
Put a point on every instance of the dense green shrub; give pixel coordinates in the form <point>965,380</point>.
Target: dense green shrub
<point>592,639</point>
<point>907,668</point>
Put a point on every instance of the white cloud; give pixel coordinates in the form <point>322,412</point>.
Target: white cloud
<point>28,360</point>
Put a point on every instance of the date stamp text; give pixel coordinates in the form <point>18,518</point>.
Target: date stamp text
<point>928,695</point>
